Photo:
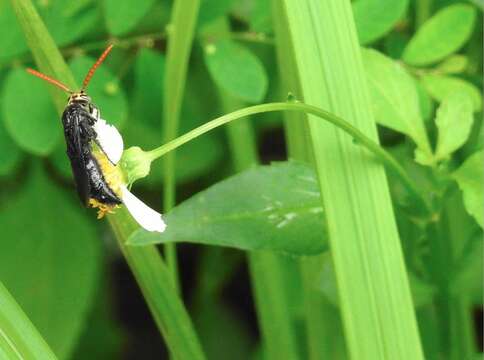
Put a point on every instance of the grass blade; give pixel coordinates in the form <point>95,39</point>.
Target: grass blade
<point>19,338</point>
<point>378,316</point>
<point>180,35</point>
<point>146,264</point>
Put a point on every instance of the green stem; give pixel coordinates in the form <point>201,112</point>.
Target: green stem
<point>360,138</point>
<point>181,32</point>
<point>423,9</point>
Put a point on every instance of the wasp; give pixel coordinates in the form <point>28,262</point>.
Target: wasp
<point>88,152</point>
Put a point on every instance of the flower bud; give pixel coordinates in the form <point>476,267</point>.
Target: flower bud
<point>135,164</point>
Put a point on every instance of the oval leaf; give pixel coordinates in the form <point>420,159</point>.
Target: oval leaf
<point>470,177</point>
<point>394,97</point>
<point>236,70</point>
<point>30,116</point>
<point>49,260</point>
<point>439,87</point>
<point>104,90</point>
<point>123,16</point>
<point>275,207</point>
<point>10,153</point>
<point>374,18</point>
<point>454,122</point>
<point>441,35</point>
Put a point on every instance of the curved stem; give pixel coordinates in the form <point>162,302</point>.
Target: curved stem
<point>361,138</point>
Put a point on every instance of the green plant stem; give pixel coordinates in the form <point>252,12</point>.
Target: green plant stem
<point>155,281</point>
<point>150,272</point>
<point>359,137</point>
<point>423,9</point>
<point>180,36</point>
<point>19,339</point>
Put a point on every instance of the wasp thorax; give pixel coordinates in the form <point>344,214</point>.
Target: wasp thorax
<point>79,98</point>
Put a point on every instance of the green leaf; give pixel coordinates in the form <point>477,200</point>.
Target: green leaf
<point>470,178</point>
<point>68,21</point>
<point>29,115</point>
<point>439,87</point>
<point>260,17</point>
<point>122,16</point>
<point>236,70</point>
<point>454,122</point>
<point>104,90</point>
<point>211,10</point>
<point>441,35</point>
<point>273,207</point>
<point>10,154</point>
<point>49,259</point>
<point>394,97</point>
<point>374,18</point>
<point>454,64</point>
<point>149,77</point>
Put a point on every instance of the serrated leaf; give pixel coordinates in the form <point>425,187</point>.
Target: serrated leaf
<point>273,207</point>
<point>440,86</point>
<point>441,35</point>
<point>374,18</point>
<point>394,97</point>
<point>454,122</point>
<point>123,16</point>
<point>237,70</point>
<point>10,153</point>
<point>470,178</point>
<point>29,115</point>
<point>104,90</point>
<point>49,260</point>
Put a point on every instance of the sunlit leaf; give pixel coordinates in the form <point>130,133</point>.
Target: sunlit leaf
<point>470,177</point>
<point>454,121</point>
<point>273,207</point>
<point>49,260</point>
<point>123,16</point>
<point>454,64</point>
<point>394,97</point>
<point>104,90</point>
<point>236,70</point>
<point>374,18</point>
<point>439,87</point>
<point>441,35</point>
<point>29,114</point>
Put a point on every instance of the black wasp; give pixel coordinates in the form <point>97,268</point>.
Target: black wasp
<point>91,158</point>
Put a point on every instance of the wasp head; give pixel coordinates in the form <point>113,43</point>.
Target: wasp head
<point>80,98</point>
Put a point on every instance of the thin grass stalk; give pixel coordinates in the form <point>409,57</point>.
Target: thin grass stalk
<point>146,264</point>
<point>19,339</point>
<point>375,301</point>
<point>321,322</point>
<point>180,37</point>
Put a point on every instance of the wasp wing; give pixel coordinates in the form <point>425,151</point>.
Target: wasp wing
<point>76,141</point>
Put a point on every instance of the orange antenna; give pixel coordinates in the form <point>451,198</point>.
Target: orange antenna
<point>50,80</point>
<point>95,66</point>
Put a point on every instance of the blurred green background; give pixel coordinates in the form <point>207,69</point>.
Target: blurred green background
<point>59,262</point>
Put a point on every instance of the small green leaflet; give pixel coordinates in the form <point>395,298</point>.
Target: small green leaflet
<point>470,178</point>
<point>275,207</point>
<point>374,18</point>
<point>441,35</point>
<point>440,86</point>
<point>394,97</point>
<point>122,16</point>
<point>236,70</point>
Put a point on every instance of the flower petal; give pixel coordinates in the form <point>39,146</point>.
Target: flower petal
<point>148,218</point>
<point>109,139</point>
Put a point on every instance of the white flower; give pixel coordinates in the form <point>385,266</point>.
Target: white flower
<point>111,143</point>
